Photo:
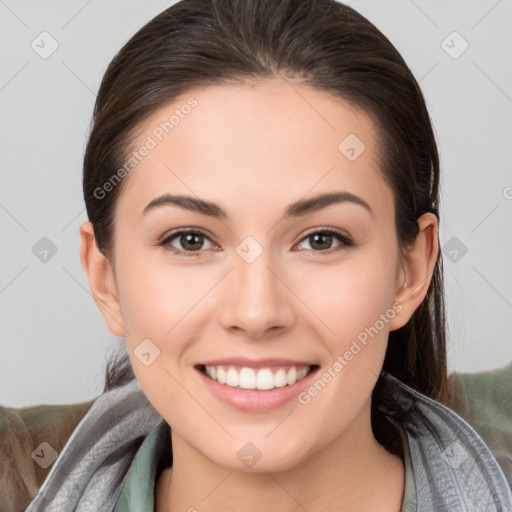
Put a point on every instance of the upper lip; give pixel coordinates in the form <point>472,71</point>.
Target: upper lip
<point>253,363</point>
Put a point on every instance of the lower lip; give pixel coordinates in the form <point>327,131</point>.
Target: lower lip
<point>254,400</point>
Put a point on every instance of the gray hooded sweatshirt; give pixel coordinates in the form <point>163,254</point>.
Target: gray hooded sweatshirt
<point>448,466</point>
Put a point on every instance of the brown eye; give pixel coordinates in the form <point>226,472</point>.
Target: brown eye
<point>322,240</point>
<point>186,242</point>
<point>191,241</point>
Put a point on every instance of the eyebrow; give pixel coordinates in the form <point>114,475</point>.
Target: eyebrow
<point>297,209</point>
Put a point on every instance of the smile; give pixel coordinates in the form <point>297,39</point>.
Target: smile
<point>262,379</point>
<point>256,386</point>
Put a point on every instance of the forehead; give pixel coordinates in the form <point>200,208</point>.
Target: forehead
<point>270,140</point>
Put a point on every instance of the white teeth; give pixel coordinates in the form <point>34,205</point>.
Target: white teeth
<point>247,378</point>
<point>302,373</point>
<point>291,376</point>
<point>221,375</point>
<point>265,379</point>
<point>232,378</point>
<point>262,379</point>
<point>280,378</point>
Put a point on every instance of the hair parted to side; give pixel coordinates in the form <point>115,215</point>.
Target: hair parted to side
<point>326,45</point>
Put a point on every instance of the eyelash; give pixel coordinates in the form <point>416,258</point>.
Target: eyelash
<point>345,242</point>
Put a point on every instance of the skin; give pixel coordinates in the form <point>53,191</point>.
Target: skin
<point>253,149</point>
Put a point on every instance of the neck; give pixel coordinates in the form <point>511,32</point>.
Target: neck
<point>353,473</point>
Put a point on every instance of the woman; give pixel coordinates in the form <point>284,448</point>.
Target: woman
<point>261,182</point>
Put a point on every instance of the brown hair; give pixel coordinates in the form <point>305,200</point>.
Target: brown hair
<point>328,46</point>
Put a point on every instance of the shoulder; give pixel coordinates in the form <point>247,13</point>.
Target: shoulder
<point>30,439</point>
<point>451,463</point>
<point>92,467</point>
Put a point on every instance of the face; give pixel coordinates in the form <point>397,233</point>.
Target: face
<point>249,279</point>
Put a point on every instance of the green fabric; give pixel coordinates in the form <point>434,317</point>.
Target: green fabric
<point>138,493</point>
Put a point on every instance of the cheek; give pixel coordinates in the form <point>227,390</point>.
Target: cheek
<point>357,306</point>
<point>166,305</point>
<point>158,304</point>
<point>155,296</point>
<point>350,297</point>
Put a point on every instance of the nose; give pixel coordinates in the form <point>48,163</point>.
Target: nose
<point>258,301</point>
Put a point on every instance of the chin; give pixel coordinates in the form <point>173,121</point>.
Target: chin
<point>260,456</point>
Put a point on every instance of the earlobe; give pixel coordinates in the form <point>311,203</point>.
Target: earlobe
<point>418,265</point>
<point>99,273</point>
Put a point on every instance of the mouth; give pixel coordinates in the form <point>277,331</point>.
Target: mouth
<point>262,378</point>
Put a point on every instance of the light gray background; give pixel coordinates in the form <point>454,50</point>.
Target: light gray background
<point>54,343</point>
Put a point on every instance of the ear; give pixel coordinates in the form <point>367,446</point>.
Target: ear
<point>101,279</point>
<point>418,263</point>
